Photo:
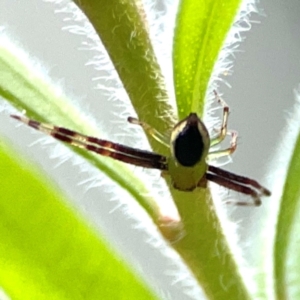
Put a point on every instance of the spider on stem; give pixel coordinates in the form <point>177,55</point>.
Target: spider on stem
<point>189,152</point>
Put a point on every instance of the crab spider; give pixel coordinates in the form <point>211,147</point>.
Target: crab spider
<point>189,152</point>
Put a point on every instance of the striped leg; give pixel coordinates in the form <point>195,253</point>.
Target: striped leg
<point>116,151</point>
<point>238,183</point>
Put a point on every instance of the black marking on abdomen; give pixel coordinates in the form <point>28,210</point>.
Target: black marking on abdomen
<point>188,146</point>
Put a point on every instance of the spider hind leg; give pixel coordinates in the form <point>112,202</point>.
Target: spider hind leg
<point>238,183</point>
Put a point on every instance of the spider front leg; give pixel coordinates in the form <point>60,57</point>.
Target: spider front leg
<point>137,157</point>
<point>223,131</point>
<point>151,131</point>
<point>238,183</point>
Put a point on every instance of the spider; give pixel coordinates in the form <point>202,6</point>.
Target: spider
<point>189,152</point>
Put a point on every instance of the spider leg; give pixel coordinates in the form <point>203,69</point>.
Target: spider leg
<point>240,179</point>
<point>116,151</point>
<point>225,152</point>
<point>223,131</point>
<point>151,131</point>
<point>238,183</point>
<point>236,187</point>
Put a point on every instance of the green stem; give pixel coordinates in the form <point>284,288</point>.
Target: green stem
<point>204,247</point>
<point>122,28</point>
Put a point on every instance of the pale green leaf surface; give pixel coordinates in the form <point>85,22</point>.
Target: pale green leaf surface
<point>46,249</point>
<point>286,246</point>
<point>201,28</point>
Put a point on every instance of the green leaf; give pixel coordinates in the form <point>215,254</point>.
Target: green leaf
<point>25,87</point>
<point>286,243</point>
<point>201,28</point>
<point>46,250</point>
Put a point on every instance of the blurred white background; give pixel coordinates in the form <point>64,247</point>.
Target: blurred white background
<point>266,72</point>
